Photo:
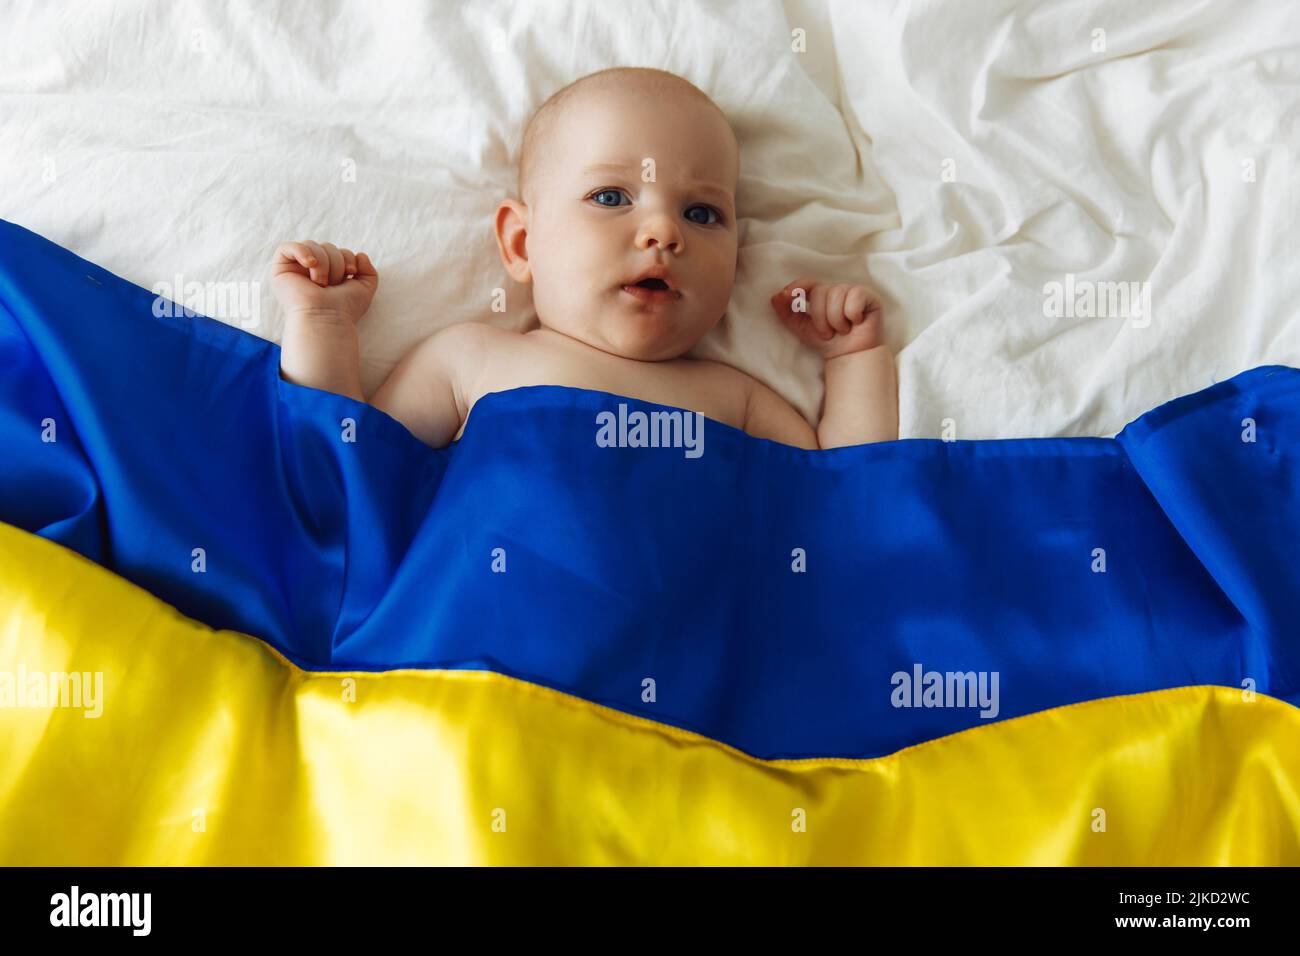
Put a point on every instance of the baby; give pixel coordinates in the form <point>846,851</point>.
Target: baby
<point>625,226</point>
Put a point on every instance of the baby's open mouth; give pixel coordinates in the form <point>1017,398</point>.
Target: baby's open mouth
<point>652,289</point>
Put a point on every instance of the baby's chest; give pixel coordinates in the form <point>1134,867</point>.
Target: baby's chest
<point>679,385</point>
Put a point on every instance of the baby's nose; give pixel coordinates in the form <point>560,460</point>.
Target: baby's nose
<point>668,242</point>
<point>660,233</point>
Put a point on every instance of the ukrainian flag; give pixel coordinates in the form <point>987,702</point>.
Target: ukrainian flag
<point>246,622</point>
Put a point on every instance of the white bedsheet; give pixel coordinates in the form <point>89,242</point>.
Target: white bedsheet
<point>959,156</point>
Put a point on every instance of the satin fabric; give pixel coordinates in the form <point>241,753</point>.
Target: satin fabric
<point>760,595</point>
<point>211,748</point>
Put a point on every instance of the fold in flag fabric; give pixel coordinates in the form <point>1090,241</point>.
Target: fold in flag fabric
<point>245,621</point>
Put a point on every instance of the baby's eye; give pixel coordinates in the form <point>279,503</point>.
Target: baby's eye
<point>607,192</point>
<point>707,210</point>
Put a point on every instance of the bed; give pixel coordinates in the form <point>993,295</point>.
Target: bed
<point>977,164</point>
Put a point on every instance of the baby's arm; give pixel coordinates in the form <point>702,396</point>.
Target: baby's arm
<point>861,404</point>
<point>324,291</point>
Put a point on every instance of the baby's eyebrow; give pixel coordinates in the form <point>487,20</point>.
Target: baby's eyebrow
<point>609,167</point>
<point>711,188</point>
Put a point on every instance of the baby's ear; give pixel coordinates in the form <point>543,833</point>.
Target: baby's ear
<point>511,227</point>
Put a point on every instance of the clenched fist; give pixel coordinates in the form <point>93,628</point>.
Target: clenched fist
<point>833,319</point>
<point>321,279</point>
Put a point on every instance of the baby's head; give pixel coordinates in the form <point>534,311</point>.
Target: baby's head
<point>620,172</point>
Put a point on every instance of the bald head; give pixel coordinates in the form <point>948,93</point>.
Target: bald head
<point>537,148</point>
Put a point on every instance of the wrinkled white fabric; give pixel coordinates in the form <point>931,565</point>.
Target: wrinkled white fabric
<point>957,156</point>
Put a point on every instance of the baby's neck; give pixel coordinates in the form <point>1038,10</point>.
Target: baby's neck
<point>556,337</point>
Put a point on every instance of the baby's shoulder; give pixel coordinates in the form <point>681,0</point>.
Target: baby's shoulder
<point>712,373</point>
<point>710,368</point>
<point>472,334</point>
<point>467,347</point>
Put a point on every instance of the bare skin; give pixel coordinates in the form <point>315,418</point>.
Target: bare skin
<point>582,240</point>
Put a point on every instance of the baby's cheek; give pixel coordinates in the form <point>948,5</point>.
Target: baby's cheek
<point>720,283</point>
<point>548,298</point>
<point>724,266</point>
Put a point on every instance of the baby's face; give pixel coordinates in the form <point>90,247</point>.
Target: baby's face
<point>635,184</point>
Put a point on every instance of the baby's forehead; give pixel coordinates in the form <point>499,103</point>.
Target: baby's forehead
<point>616,130</point>
<point>628,118</point>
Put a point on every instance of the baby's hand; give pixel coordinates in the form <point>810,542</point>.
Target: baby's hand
<point>322,279</point>
<point>834,319</point>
